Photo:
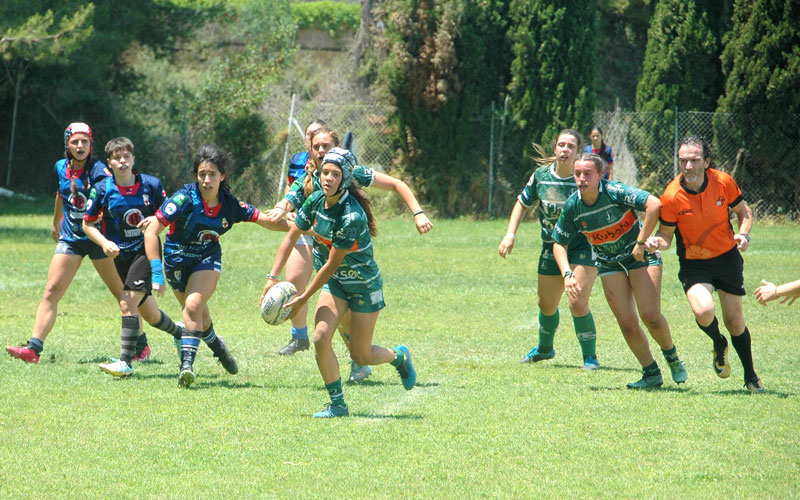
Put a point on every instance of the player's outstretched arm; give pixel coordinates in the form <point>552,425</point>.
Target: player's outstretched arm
<point>325,273</point>
<point>267,222</point>
<point>389,183</point>
<point>770,291</point>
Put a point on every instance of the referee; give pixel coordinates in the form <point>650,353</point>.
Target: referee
<point>698,203</point>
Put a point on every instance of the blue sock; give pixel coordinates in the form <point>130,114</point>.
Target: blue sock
<point>36,344</point>
<point>300,333</point>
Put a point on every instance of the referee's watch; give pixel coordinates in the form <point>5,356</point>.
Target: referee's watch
<point>745,236</point>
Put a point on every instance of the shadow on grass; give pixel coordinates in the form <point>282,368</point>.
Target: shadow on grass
<point>104,359</point>
<point>678,389</point>
<point>746,393</point>
<point>380,383</point>
<point>603,368</point>
<point>27,234</point>
<point>374,416</point>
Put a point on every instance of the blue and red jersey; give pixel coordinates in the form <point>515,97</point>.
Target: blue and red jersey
<point>194,227</point>
<point>297,167</point>
<point>123,207</point>
<point>74,204</point>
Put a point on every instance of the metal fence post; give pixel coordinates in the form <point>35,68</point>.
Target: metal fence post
<point>286,149</point>
<point>491,160</point>
<point>675,147</point>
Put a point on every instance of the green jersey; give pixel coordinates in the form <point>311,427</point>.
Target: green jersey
<point>342,226</point>
<point>611,224</point>
<point>552,192</point>
<point>362,177</point>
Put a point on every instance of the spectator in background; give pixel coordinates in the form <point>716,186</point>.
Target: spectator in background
<point>601,149</point>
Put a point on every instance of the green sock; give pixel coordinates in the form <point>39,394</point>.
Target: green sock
<point>335,392</point>
<point>651,369</point>
<point>398,358</point>
<point>547,331</point>
<point>670,355</point>
<point>586,333</point>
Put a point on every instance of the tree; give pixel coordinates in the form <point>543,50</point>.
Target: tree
<point>38,40</point>
<point>681,62</point>
<point>446,61</point>
<point>761,64</point>
<point>681,69</point>
<point>552,75</point>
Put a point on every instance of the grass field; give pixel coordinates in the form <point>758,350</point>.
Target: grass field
<point>477,425</point>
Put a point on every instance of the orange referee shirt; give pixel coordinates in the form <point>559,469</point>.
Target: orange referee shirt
<point>703,221</point>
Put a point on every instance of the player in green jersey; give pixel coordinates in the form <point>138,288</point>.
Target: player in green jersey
<point>340,219</point>
<point>605,212</point>
<point>549,187</point>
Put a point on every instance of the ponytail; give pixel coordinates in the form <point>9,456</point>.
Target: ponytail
<point>362,200</point>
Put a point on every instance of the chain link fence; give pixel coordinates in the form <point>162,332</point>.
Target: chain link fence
<point>760,157</point>
<point>366,121</point>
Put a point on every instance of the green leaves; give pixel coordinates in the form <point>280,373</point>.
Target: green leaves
<point>41,38</point>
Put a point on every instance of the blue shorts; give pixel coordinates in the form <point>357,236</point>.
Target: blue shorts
<point>82,248</point>
<point>178,273</point>
<point>362,302</point>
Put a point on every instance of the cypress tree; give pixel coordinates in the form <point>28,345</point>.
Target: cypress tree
<point>553,70</point>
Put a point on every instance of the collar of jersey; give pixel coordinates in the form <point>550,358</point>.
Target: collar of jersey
<point>554,174</point>
<point>702,186</point>
<point>211,211</point>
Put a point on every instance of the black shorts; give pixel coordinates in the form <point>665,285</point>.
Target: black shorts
<point>135,273</point>
<point>724,272</point>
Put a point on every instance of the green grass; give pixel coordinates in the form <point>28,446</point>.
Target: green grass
<point>478,424</point>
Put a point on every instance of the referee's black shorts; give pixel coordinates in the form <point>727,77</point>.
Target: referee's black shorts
<point>724,272</point>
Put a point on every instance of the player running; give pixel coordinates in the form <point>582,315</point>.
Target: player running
<point>126,203</point>
<point>298,267</point>
<point>198,214</point>
<point>76,174</point>
<point>697,203</point>
<point>549,187</point>
<point>605,212</point>
<point>340,219</point>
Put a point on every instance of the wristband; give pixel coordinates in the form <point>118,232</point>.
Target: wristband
<point>641,242</point>
<point>156,272</point>
<point>568,274</point>
<point>511,235</point>
<point>272,277</point>
<point>420,211</point>
<point>745,236</point>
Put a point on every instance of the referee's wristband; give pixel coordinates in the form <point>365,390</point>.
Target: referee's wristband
<point>745,236</point>
<point>511,235</point>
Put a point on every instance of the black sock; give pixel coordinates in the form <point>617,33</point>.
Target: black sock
<point>189,344</point>
<point>742,345</point>
<point>130,333</point>
<point>651,369</point>
<point>209,336</point>
<point>712,330</point>
<point>166,324</point>
<point>141,342</point>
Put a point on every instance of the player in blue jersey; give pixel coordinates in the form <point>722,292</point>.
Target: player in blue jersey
<point>76,174</point>
<point>299,266</point>
<point>603,150</point>
<point>127,202</point>
<point>302,162</point>
<point>605,212</point>
<point>549,187</point>
<point>340,219</point>
<point>197,215</point>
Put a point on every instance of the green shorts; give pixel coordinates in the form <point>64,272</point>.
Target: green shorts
<point>579,255</point>
<point>628,264</point>
<point>363,302</point>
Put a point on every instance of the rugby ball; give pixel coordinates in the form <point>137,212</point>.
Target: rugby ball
<point>272,310</point>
